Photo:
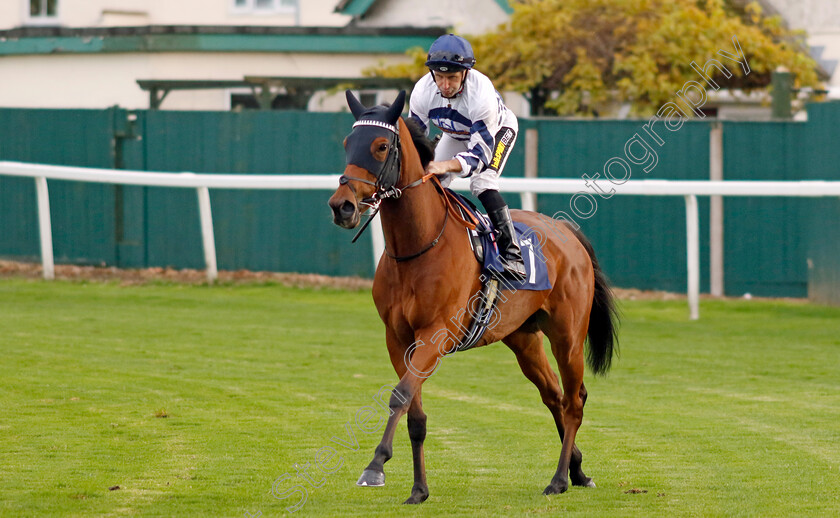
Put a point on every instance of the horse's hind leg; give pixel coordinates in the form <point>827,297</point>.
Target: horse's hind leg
<point>528,347</point>
<point>575,468</point>
<point>567,347</point>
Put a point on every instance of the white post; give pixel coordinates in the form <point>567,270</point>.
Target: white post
<point>45,226</point>
<point>207,237</point>
<point>377,238</point>
<point>692,225</point>
<point>529,199</point>
<point>716,212</point>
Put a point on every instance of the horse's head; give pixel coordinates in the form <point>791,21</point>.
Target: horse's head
<point>373,159</point>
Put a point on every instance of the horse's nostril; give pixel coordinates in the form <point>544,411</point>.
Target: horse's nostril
<point>347,209</point>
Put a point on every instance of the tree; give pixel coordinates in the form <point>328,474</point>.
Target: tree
<point>583,56</point>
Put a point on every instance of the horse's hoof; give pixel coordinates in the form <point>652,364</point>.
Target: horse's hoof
<point>371,478</point>
<point>417,497</point>
<point>555,489</point>
<point>586,482</point>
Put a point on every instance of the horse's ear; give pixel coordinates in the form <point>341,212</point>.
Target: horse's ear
<point>396,108</point>
<point>356,107</point>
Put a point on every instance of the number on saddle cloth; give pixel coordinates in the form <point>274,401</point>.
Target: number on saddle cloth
<point>536,271</point>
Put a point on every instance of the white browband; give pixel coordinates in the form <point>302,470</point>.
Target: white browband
<point>379,124</point>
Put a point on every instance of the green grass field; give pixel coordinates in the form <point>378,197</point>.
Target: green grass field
<point>194,400</point>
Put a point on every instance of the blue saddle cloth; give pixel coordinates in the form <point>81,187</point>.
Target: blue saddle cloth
<point>536,272</point>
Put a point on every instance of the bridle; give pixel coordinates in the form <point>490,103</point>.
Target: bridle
<point>386,179</point>
<point>388,173</point>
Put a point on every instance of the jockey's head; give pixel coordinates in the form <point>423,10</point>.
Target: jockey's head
<point>449,59</point>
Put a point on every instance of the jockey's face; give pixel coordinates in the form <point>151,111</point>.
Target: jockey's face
<point>449,83</point>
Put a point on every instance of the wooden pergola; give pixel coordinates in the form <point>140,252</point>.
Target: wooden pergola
<point>266,88</point>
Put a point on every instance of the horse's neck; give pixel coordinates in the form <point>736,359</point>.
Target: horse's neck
<point>413,221</point>
<point>416,218</point>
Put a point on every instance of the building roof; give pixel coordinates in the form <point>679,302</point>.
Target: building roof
<point>156,38</point>
<point>360,7</point>
<point>302,87</point>
<point>354,7</point>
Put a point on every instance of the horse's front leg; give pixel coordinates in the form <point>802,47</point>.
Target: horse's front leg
<point>414,364</point>
<point>374,473</point>
<point>417,434</point>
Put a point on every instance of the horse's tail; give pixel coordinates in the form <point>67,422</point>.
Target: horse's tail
<point>603,319</point>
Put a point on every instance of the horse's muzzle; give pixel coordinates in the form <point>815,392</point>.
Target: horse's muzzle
<point>345,213</point>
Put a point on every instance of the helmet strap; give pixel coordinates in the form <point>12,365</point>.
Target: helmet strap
<point>463,82</point>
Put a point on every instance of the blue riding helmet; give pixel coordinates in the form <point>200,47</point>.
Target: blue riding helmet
<point>450,53</point>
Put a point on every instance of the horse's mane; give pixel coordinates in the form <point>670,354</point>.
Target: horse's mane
<point>425,147</point>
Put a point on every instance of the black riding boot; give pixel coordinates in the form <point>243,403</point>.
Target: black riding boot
<point>508,245</point>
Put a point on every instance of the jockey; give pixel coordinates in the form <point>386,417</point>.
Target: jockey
<point>478,133</point>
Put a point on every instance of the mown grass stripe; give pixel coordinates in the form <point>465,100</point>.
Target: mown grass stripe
<point>734,415</point>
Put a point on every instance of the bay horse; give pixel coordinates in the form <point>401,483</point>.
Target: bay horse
<point>428,273</point>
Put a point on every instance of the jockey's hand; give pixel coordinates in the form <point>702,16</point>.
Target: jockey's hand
<point>442,168</point>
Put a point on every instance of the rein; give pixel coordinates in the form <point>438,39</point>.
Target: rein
<point>448,208</point>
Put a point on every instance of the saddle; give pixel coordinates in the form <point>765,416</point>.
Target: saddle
<point>482,239</point>
<point>481,229</point>
<point>481,236</point>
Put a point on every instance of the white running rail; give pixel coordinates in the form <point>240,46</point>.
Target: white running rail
<point>689,189</point>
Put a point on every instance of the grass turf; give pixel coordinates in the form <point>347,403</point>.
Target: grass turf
<point>195,400</point>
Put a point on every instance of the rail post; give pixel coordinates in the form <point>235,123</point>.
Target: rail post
<point>208,239</point>
<point>692,225</point>
<point>45,227</point>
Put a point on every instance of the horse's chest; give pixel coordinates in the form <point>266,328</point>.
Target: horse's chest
<point>406,309</point>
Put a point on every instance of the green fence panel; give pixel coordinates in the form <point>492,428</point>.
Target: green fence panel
<point>764,247</point>
<point>823,251</point>
<point>640,241</point>
<point>822,159</point>
<point>265,230</point>
<point>18,219</point>
<point>82,213</point>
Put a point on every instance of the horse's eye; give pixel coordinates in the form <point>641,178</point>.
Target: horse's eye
<point>383,147</point>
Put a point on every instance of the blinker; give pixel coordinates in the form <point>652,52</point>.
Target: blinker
<point>372,123</point>
<point>358,153</point>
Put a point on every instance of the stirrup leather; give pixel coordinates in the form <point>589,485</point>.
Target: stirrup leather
<point>511,255</point>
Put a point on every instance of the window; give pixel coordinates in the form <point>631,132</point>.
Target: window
<point>265,6</point>
<point>369,98</point>
<point>42,7</point>
<point>42,11</point>
<point>282,101</point>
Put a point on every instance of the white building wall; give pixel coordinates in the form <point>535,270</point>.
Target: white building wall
<point>830,41</point>
<point>465,16</point>
<point>820,19</point>
<point>11,13</point>
<point>102,80</point>
<point>76,81</point>
<point>96,13</point>
<point>811,15</point>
